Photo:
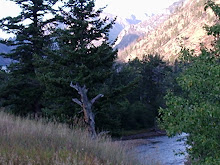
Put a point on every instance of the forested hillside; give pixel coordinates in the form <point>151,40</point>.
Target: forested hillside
<point>184,27</point>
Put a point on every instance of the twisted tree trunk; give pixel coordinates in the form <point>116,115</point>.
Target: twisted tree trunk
<point>86,104</point>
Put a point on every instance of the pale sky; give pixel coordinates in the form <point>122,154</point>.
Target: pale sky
<point>125,8</point>
<point>122,8</point>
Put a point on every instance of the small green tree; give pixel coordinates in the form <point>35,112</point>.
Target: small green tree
<point>195,109</point>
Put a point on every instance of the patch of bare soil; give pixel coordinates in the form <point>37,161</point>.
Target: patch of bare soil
<point>132,141</point>
<point>151,133</point>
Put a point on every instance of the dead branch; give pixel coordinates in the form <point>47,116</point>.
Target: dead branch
<point>86,104</point>
<point>77,101</point>
<point>96,98</point>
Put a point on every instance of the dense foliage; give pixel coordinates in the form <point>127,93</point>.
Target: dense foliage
<point>195,107</point>
<point>22,92</point>
<point>82,54</point>
<point>138,87</point>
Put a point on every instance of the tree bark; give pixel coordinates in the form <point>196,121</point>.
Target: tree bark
<point>86,104</point>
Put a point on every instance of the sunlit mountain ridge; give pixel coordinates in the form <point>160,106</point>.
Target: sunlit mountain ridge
<point>184,27</point>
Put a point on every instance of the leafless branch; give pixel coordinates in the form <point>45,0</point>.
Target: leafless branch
<point>96,98</point>
<point>77,102</point>
<point>73,86</point>
<point>80,112</point>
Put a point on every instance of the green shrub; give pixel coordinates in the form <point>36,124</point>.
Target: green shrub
<point>196,108</point>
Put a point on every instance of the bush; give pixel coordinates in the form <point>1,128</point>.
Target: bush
<point>196,109</point>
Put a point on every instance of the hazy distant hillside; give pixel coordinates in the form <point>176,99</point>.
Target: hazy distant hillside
<point>4,49</point>
<point>172,8</point>
<point>120,24</point>
<point>184,27</point>
<point>133,32</point>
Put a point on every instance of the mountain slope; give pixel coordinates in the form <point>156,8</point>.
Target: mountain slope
<point>120,24</point>
<point>132,32</point>
<point>4,49</point>
<point>151,21</point>
<point>184,27</point>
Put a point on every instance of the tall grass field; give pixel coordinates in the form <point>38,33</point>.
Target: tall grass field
<point>29,142</point>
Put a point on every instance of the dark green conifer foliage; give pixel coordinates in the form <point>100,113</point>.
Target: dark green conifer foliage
<point>82,55</point>
<point>23,91</point>
<point>134,94</point>
<point>151,72</point>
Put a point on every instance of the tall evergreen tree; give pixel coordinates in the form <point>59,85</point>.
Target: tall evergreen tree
<point>23,91</point>
<point>83,55</point>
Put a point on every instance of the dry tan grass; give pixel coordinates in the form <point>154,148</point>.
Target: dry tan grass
<point>29,142</point>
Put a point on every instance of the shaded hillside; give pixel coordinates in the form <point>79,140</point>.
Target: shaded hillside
<point>184,27</point>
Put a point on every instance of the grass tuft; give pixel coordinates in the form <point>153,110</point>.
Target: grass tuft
<point>25,141</point>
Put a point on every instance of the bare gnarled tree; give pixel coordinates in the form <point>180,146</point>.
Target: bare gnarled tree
<point>86,104</point>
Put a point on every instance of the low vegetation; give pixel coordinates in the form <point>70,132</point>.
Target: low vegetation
<point>25,141</point>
